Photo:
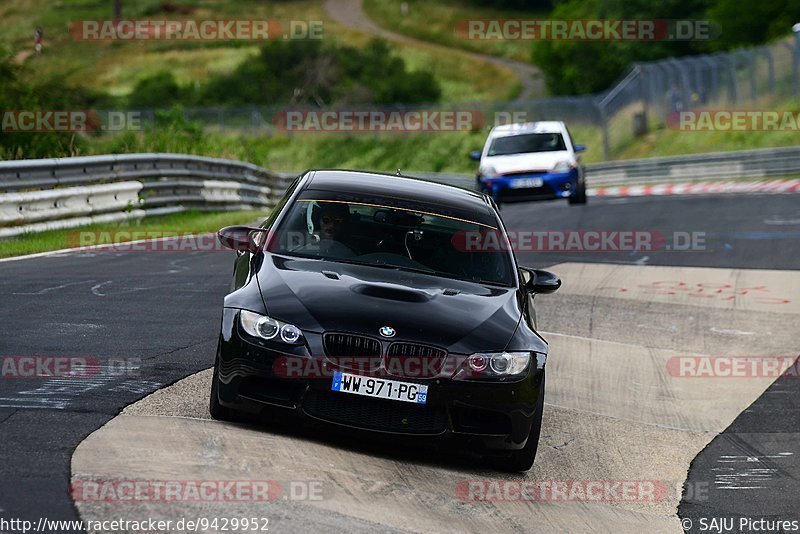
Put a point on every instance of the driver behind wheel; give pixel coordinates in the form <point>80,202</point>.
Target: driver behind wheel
<point>331,217</point>
<point>329,222</point>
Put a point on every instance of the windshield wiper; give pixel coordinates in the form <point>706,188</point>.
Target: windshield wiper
<point>384,265</point>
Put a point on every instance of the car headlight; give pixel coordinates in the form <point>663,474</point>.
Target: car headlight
<point>489,172</point>
<point>494,365</point>
<point>562,166</point>
<point>265,327</point>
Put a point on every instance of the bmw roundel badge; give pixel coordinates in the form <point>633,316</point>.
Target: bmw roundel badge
<point>387,331</point>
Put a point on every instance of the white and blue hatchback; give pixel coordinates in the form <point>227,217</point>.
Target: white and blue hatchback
<point>531,161</point>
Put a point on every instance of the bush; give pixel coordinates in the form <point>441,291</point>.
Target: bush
<point>306,72</point>
<point>760,21</point>
<point>157,91</point>
<point>18,94</point>
<point>582,67</point>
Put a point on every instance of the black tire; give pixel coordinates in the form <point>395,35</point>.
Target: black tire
<point>217,410</point>
<point>579,197</point>
<point>522,459</point>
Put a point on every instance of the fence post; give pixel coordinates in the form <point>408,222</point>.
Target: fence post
<point>734,82</point>
<point>604,126</point>
<point>752,58</point>
<point>770,67</point>
<point>796,60</point>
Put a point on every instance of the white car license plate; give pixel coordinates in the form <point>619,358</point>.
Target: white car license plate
<point>519,183</point>
<point>380,388</point>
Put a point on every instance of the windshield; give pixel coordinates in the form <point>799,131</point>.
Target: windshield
<point>374,234</point>
<point>521,144</point>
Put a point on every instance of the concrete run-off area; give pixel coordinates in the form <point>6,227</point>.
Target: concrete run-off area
<point>618,409</point>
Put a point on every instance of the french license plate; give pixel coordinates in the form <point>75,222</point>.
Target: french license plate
<point>380,388</point>
<point>519,183</point>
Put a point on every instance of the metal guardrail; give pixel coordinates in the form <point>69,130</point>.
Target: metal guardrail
<point>37,195</point>
<point>48,194</point>
<point>760,163</point>
<point>50,173</point>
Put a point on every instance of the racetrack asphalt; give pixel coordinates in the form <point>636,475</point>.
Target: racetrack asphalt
<point>163,308</point>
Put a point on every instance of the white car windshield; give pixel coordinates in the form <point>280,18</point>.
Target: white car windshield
<point>524,143</point>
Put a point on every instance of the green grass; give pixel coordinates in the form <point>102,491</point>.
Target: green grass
<point>436,22</point>
<point>662,141</point>
<point>182,223</point>
<point>672,142</point>
<point>457,74</point>
<point>436,152</point>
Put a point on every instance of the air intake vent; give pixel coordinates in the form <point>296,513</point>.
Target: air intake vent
<point>414,360</point>
<point>347,345</point>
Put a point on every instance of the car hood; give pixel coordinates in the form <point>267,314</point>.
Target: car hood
<point>321,296</point>
<point>536,161</point>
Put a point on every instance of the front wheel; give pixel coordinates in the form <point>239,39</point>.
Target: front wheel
<point>579,197</point>
<point>217,410</point>
<point>522,460</point>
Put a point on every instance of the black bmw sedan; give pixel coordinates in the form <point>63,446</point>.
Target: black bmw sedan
<point>387,304</point>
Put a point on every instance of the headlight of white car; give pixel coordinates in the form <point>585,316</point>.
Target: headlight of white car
<point>562,166</point>
<point>489,172</point>
<point>264,327</point>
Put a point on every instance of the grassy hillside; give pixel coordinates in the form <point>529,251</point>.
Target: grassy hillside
<point>436,22</point>
<point>115,67</point>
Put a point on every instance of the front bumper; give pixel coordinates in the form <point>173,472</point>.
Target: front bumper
<point>488,415</point>
<point>554,185</point>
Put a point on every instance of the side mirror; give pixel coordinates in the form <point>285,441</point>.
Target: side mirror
<point>580,148</point>
<point>539,281</point>
<point>475,155</point>
<point>240,238</point>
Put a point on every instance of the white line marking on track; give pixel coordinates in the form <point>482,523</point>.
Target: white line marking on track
<point>730,331</point>
<point>96,288</point>
<point>62,286</point>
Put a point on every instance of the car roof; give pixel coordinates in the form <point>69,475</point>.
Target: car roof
<point>527,127</point>
<point>399,191</point>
